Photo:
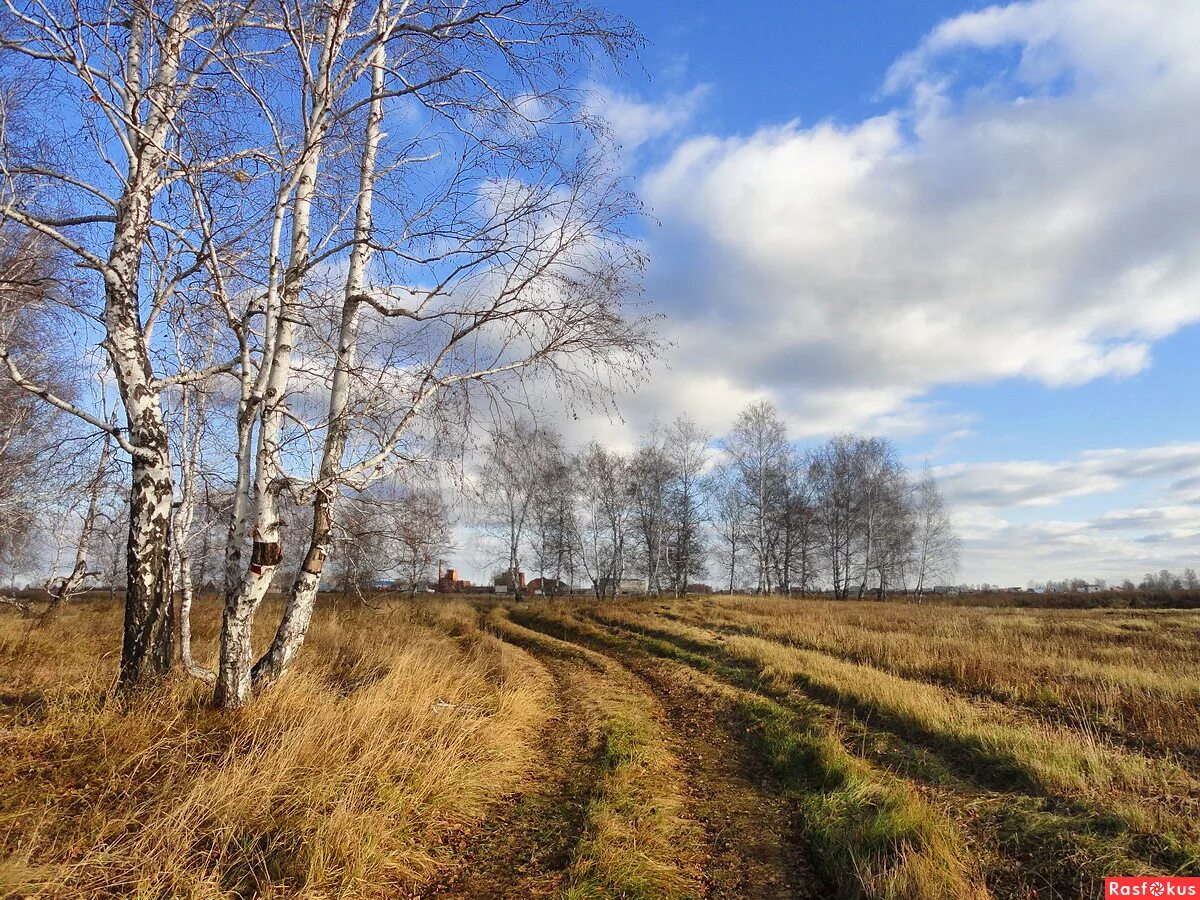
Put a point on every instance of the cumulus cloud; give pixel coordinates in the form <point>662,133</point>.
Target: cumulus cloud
<point>1039,221</point>
<point>1024,206</point>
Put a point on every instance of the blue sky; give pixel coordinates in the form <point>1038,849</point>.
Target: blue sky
<point>973,228</point>
<point>770,61</point>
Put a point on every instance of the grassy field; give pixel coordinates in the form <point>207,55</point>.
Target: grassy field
<point>721,747</point>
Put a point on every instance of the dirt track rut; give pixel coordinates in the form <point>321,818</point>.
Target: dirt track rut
<point>524,847</point>
<point>753,845</point>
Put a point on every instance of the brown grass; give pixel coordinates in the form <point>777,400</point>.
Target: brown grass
<point>926,751</point>
<point>1131,674</point>
<point>1074,795</point>
<point>345,781</point>
<point>874,835</point>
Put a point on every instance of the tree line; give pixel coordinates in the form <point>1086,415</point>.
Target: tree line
<point>1163,580</point>
<point>752,511</point>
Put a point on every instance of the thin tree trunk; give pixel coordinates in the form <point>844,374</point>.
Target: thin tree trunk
<point>74,582</point>
<point>192,427</point>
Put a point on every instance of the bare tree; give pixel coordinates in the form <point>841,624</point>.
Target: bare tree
<point>510,479</point>
<point>650,481</point>
<point>192,429</point>
<point>500,254</point>
<point>393,530</point>
<point>63,588</point>
<point>757,446</point>
<point>796,534</point>
<point>229,159</point>
<point>935,543</point>
<point>603,517</point>
<point>879,491</point>
<point>729,520</point>
<point>34,465</point>
<point>686,448</point>
<point>552,523</point>
<point>835,470</point>
<point>131,81</point>
<point>422,534</point>
<point>363,530</point>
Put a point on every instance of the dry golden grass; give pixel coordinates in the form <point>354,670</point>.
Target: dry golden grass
<point>926,751</point>
<point>1055,760</point>
<point>1079,800</point>
<point>1001,744</point>
<point>344,781</point>
<point>1131,674</point>
<point>874,835</point>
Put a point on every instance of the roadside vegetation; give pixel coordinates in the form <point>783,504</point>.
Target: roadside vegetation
<point>347,781</point>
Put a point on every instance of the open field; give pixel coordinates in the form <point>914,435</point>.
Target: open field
<point>725,747</point>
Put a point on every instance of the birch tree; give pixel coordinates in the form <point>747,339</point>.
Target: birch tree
<point>729,521</point>
<point>184,530</point>
<point>393,530</point>
<point>880,504</point>
<point>510,479</point>
<point>650,480</point>
<point>686,448</point>
<point>390,208</point>
<point>421,526</point>
<point>97,165</point>
<point>34,469</point>
<point>757,447</point>
<point>834,471</point>
<point>796,535</point>
<point>935,544</point>
<point>500,257</point>
<point>552,523</point>
<point>603,518</point>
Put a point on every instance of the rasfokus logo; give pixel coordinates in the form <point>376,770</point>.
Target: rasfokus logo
<point>1152,886</point>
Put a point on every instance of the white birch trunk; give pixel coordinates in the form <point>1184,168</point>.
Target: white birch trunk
<point>236,671</point>
<point>148,634</point>
<point>192,428</point>
<point>297,615</point>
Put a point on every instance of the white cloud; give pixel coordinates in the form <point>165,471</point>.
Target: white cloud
<point>1035,483</point>
<point>999,551</point>
<point>1041,223</point>
<point>1025,206</point>
<point>635,122</point>
<point>1161,531</point>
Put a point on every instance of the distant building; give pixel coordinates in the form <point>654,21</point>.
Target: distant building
<point>624,586</point>
<point>448,581</point>
<point>509,581</point>
<point>549,587</point>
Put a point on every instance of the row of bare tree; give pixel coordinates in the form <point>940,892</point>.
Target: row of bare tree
<point>598,516</point>
<point>307,239</point>
<point>846,516</point>
<point>752,510</point>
